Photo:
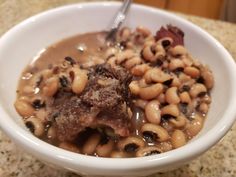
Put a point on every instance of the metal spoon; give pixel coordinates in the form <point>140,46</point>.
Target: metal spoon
<point>118,20</point>
<point>109,38</point>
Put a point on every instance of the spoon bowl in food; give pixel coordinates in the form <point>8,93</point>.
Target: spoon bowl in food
<point>22,44</point>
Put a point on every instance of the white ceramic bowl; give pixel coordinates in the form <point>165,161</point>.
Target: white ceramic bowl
<point>23,42</point>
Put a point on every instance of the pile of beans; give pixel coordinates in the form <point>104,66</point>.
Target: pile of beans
<point>170,88</point>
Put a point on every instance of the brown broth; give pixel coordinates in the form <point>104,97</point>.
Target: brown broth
<point>55,54</point>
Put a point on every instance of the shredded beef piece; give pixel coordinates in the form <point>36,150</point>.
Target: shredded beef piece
<point>102,103</point>
<point>116,117</point>
<point>107,87</point>
<point>173,32</point>
<point>70,115</point>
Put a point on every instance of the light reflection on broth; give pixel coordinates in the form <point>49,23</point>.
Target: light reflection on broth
<point>143,96</point>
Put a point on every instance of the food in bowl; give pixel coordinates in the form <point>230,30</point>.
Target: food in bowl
<point>141,96</point>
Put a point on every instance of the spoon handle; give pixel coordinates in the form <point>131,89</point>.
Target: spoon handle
<point>119,18</point>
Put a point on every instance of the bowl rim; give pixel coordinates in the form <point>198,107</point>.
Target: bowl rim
<point>186,152</point>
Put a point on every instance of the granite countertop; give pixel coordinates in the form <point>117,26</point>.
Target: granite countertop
<point>217,162</point>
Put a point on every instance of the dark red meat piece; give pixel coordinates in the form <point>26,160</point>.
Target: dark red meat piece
<point>173,32</point>
<point>103,103</point>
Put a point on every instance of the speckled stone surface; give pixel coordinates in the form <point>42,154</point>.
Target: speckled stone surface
<point>220,161</point>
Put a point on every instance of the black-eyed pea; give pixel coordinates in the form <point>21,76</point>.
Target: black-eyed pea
<point>142,83</point>
<point>196,63</point>
<point>178,50</point>
<point>152,112</point>
<point>165,42</point>
<point>69,146</point>
<point>25,98</point>
<point>151,38</point>
<point>104,150</point>
<point>41,114</point>
<point>179,121</point>
<point>175,82</point>
<point>27,75</point>
<point>123,56</point>
<point>149,41</point>
<point>193,127</point>
<point>144,31</point>
<point>46,73</point>
<point>36,78</point>
<point>97,60</point>
<point>109,132</point>
<point>139,70</point>
<point>175,64</point>
<point>119,154</point>
<point>172,96</point>
<point>150,92</point>
<point>159,51</point>
<point>161,98</point>
<point>147,151</point>
<point>51,86</point>
<point>29,89</point>
<point>138,39</point>
<point>194,104</point>
<point>208,78</point>
<point>64,65</point>
<point>185,78</point>
<point>148,54</point>
<point>152,132</point>
<point>161,77</point>
<point>156,75</point>
<point>38,102</point>
<point>35,126</point>
<point>88,64</point>
<point>189,84</point>
<point>158,47</point>
<point>52,133</point>
<point>165,64</point>
<point>206,99</point>
<point>178,138</point>
<point>111,51</point>
<point>192,71</point>
<point>112,61</point>
<point>197,89</point>
<point>79,81</point>
<point>130,144</point>
<point>167,125</point>
<point>148,74</point>
<point>81,48</point>
<point>170,110</point>
<point>187,61</point>
<point>132,62</point>
<point>185,97</point>
<point>24,108</point>
<point>165,146</point>
<point>203,108</point>
<point>129,45</point>
<point>134,87</point>
<point>140,103</point>
<point>90,145</point>
<point>125,34</point>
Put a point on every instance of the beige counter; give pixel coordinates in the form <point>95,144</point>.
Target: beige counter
<point>220,161</point>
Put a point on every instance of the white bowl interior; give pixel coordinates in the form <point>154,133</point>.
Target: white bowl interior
<point>19,46</point>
